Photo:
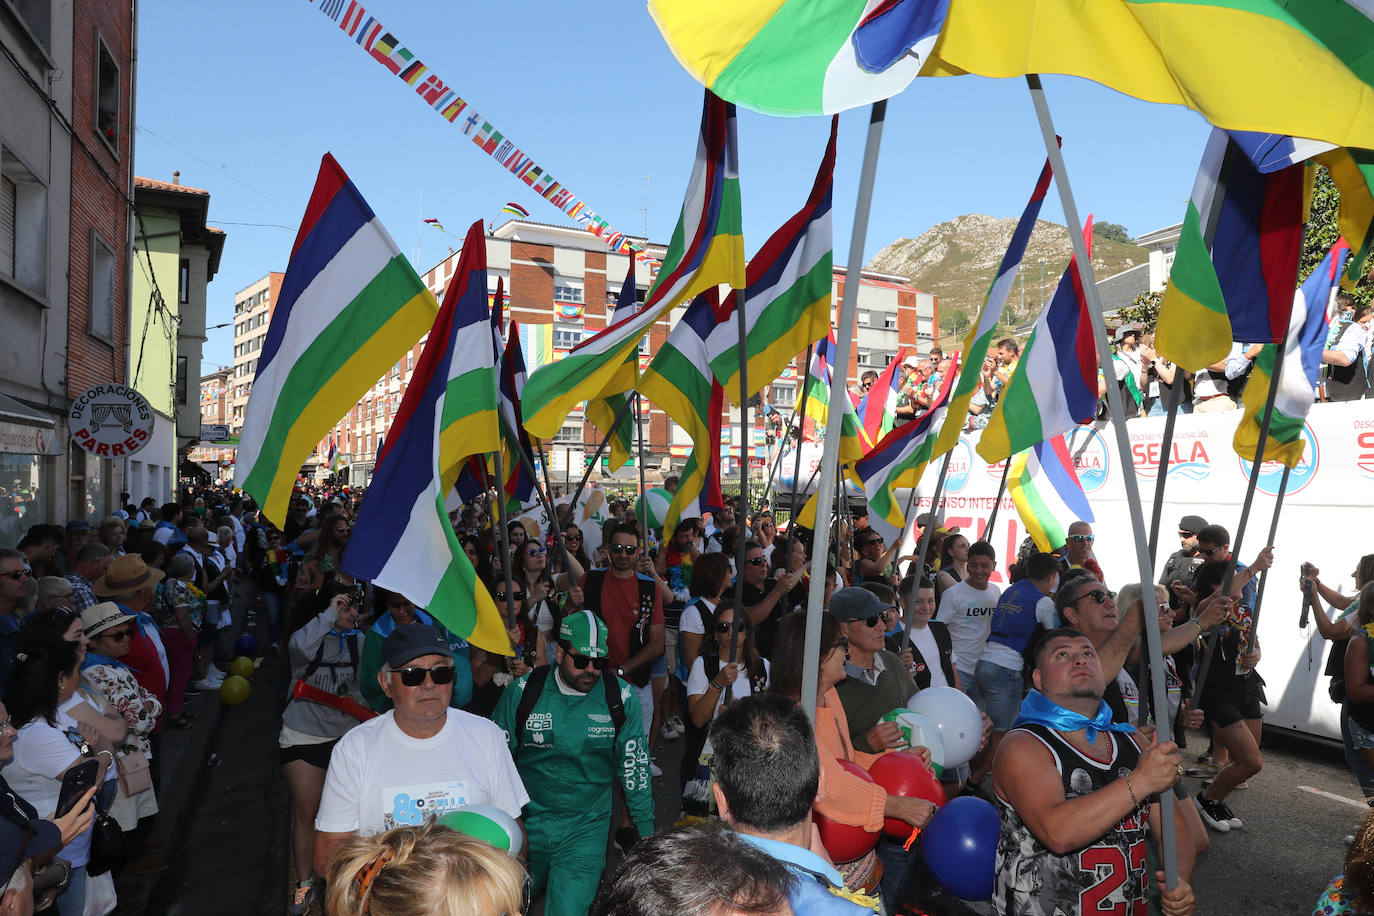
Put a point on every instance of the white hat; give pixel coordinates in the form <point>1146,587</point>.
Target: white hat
<point>213,538</point>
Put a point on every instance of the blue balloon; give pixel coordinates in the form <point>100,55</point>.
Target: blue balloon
<point>247,644</point>
<point>960,847</point>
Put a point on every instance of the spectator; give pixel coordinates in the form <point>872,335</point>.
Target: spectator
<point>325,654</point>
<point>695,871</point>
<point>15,581</point>
<point>78,535</point>
<point>873,561</point>
<point>90,565</point>
<point>321,564</point>
<point>674,565</point>
<point>716,671</point>
<point>763,597</point>
<point>131,584</point>
<point>1128,364</point>
<point>1054,807</point>
<point>767,778</point>
<point>39,546</point>
<point>1352,890</point>
<point>168,532</point>
<point>953,563</point>
<point>54,592</point>
<point>1349,373</point>
<point>1182,566</point>
<point>112,533</point>
<point>931,646</point>
<point>966,609</point>
<point>424,871</point>
<point>179,615</point>
<point>1077,552</point>
<point>571,757</point>
<point>419,756</point>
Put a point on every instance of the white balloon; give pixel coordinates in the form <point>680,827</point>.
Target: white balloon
<point>957,718</point>
<point>919,731</point>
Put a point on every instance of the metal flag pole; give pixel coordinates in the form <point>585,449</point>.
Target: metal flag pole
<point>596,456</point>
<point>830,454</point>
<point>742,324</point>
<point>1165,453</point>
<point>997,503</point>
<point>1104,358</point>
<point>544,501</point>
<point>926,535</point>
<point>906,515</point>
<point>503,536</point>
<point>1273,532</point>
<point>800,416</point>
<point>1253,482</point>
<point>639,460</point>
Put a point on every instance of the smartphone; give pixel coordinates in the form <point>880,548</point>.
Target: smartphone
<point>75,782</point>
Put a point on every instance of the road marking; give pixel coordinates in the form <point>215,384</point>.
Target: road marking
<point>1334,797</point>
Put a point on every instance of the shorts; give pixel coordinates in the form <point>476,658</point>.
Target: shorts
<point>1238,699</point>
<point>1002,691</point>
<point>669,649</point>
<point>970,683</point>
<point>1360,739</point>
<point>317,755</point>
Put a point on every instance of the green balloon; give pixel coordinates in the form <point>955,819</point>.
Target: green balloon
<point>243,667</point>
<point>234,690</point>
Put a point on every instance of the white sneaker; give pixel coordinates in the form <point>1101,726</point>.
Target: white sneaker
<point>669,731</point>
<point>654,769</point>
<point>206,684</point>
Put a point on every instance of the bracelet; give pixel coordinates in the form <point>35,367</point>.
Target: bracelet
<point>715,685</point>
<point>108,753</point>
<point>1200,628</point>
<point>1134,802</point>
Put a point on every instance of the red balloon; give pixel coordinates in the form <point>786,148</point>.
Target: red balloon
<point>906,776</point>
<point>846,843</point>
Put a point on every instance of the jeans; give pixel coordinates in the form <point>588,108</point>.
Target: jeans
<point>970,682</point>
<point>72,901</point>
<point>1002,692</point>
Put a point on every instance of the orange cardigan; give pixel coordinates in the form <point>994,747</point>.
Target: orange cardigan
<point>845,799</point>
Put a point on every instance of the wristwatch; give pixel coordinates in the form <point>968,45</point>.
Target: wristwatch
<point>620,672</point>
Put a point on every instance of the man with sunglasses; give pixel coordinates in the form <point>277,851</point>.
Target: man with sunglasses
<point>762,597</point>
<point>418,760</point>
<point>1077,552</point>
<point>575,728</point>
<point>1182,566</point>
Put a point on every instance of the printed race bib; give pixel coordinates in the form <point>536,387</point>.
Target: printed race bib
<point>411,806</point>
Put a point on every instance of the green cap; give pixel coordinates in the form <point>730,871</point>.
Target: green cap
<point>585,632</point>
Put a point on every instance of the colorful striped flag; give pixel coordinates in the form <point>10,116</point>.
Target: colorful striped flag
<point>403,540</point>
<point>1241,286</point>
<point>818,398</point>
<point>901,457</point>
<point>435,224</point>
<point>679,381</point>
<point>515,210</point>
<point>1244,64</point>
<point>350,306</point>
<point>1302,362</point>
<point>1353,172</point>
<point>980,335</point>
<point>602,411</point>
<point>1054,386</point>
<point>520,482</point>
<point>707,249</point>
<point>877,410</point>
<point>536,342</point>
<point>788,294</point>
<point>1044,486</point>
<point>801,57</point>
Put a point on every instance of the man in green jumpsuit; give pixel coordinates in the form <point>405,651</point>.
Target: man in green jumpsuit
<point>572,747</point>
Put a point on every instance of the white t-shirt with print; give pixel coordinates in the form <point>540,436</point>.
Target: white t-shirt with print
<point>380,778</point>
<point>967,612</point>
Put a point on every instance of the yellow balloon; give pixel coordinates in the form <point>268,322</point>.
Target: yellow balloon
<point>234,690</point>
<point>242,666</point>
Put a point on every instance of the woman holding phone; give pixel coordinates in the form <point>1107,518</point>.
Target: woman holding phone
<point>49,742</point>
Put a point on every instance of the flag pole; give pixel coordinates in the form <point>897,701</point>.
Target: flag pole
<point>906,516</point>
<point>1104,358</point>
<point>909,617</point>
<point>639,461</point>
<point>596,456</point>
<point>545,502</point>
<point>997,503</point>
<point>1273,532</point>
<point>1166,450</point>
<point>553,515</point>
<point>800,415</point>
<point>830,454</point>
<point>503,535</point>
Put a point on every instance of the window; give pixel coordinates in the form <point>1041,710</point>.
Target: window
<point>8,194</point>
<point>37,16</point>
<point>23,225</point>
<point>784,395</point>
<point>887,358</point>
<point>184,281</point>
<point>102,289</point>
<point>181,380</point>
<point>569,434</point>
<point>644,345</point>
<point>865,318</point>
<point>565,337</point>
<point>566,290</point>
<point>890,320</point>
<point>106,96</point>
<point>865,356</point>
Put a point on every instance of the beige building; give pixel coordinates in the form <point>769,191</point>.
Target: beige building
<point>252,311</point>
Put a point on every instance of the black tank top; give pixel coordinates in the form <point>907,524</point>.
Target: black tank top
<point>1107,876</point>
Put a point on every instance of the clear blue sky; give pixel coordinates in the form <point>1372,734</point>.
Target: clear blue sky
<point>245,97</point>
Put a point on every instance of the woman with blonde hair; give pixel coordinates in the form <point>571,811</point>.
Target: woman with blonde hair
<point>425,871</point>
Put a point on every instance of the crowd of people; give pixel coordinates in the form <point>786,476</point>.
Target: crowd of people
<point>646,647</point>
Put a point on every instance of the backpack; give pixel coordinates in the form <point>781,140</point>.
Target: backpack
<point>534,688</point>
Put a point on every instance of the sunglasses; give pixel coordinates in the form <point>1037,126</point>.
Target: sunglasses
<point>414,676</point>
<point>535,552</point>
<point>502,596</point>
<point>756,561</point>
<point>117,635</point>
<point>1187,534</point>
<point>18,574</point>
<point>875,620</point>
<point>580,661</point>
<point>724,626</point>
<point>1097,594</point>
<point>628,550</point>
<point>1083,538</point>
<point>572,537</point>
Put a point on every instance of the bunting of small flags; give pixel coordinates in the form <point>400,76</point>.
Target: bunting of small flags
<point>354,21</point>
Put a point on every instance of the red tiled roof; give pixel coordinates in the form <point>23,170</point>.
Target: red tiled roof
<point>153,184</point>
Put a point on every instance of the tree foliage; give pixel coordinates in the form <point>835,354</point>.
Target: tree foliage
<point>1321,232</point>
<point>1114,232</point>
<point>1144,309</point>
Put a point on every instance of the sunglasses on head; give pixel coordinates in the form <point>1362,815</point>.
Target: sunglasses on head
<point>580,661</point>
<point>1099,595</point>
<point>1083,538</point>
<point>628,550</point>
<point>415,676</point>
<point>724,626</point>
